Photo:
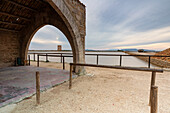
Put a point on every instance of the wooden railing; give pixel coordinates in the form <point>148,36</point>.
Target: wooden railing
<point>153,101</point>
<point>153,98</point>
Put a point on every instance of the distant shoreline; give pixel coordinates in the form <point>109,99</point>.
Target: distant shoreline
<point>86,51</point>
<point>71,51</point>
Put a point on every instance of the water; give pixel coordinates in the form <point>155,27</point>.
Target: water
<point>103,60</point>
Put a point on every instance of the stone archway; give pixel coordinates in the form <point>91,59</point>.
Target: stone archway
<point>63,14</point>
<point>50,17</point>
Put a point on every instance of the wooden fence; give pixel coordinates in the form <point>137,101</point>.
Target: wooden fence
<point>153,97</point>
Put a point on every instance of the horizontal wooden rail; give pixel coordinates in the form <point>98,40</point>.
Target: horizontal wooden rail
<point>120,67</point>
<point>153,91</point>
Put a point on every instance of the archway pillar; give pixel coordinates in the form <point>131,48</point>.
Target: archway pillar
<point>49,16</point>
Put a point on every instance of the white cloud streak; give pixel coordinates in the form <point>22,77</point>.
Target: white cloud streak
<point>41,41</point>
<point>123,34</point>
<point>158,35</point>
<point>155,46</point>
<point>119,24</point>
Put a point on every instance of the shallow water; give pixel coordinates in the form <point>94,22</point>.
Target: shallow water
<point>103,60</point>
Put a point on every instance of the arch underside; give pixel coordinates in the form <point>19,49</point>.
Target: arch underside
<point>49,16</point>
<point>20,20</point>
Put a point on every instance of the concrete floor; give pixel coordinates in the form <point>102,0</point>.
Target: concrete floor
<point>17,83</point>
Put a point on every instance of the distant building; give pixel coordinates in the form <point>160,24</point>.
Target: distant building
<point>59,47</point>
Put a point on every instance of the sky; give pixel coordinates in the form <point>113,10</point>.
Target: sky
<point>117,24</point>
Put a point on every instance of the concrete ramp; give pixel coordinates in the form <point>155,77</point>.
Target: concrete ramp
<point>17,83</point>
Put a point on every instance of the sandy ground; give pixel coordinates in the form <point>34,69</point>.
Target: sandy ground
<point>108,91</point>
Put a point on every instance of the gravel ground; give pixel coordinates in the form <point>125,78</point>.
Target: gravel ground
<point>107,91</point>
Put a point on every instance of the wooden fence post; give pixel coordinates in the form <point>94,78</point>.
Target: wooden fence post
<point>152,84</point>
<point>70,80</point>
<point>38,87</point>
<point>154,99</point>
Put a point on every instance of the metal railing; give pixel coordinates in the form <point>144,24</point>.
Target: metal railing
<point>62,55</point>
<point>153,89</point>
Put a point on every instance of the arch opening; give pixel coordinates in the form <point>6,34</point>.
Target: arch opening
<point>45,40</point>
<point>54,19</point>
<point>61,14</point>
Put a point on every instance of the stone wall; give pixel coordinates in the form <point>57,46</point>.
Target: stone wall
<point>66,15</point>
<point>157,62</point>
<point>79,13</point>
<point>69,10</point>
<point>9,48</point>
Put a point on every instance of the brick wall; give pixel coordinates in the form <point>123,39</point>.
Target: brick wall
<point>9,48</point>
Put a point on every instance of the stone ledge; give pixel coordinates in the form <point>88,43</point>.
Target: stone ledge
<point>154,61</point>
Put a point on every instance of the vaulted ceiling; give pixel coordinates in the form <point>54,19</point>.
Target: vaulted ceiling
<point>16,14</point>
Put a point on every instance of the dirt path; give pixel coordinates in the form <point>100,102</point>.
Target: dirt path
<point>108,91</point>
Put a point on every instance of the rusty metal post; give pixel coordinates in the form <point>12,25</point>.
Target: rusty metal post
<point>97,59</point>
<point>61,57</point>
<point>149,62</point>
<point>38,64</point>
<point>34,56</point>
<point>38,87</point>
<point>120,60</point>
<point>29,60</point>
<point>70,80</point>
<point>63,63</point>
<point>46,57</point>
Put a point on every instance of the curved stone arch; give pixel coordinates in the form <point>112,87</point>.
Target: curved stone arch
<point>62,9</point>
<point>64,12</point>
<point>54,18</point>
<point>36,29</point>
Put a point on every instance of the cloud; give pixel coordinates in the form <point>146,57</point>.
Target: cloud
<point>48,37</point>
<point>148,37</point>
<point>130,23</point>
<point>129,39</point>
<point>118,24</point>
<point>36,40</point>
<point>154,46</point>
